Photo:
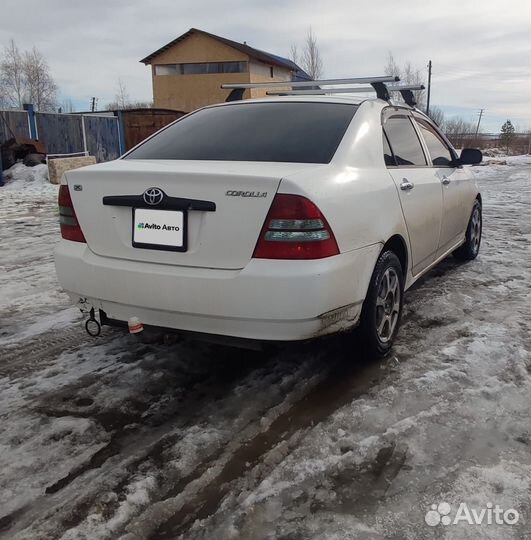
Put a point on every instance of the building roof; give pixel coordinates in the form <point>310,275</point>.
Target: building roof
<point>264,56</point>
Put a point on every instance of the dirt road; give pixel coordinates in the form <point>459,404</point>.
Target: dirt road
<point>111,438</point>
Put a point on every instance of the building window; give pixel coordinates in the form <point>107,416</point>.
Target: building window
<point>271,71</point>
<point>202,68</point>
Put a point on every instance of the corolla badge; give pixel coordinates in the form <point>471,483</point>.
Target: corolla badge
<point>235,193</point>
<point>153,196</point>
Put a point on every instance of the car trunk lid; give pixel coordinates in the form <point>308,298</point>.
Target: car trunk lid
<point>223,205</point>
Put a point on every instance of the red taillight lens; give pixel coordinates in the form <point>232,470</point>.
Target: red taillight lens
<point>70,229</point>
<point>295,229</point>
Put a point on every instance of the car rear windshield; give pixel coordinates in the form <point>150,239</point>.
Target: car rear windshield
<point>279,132</point>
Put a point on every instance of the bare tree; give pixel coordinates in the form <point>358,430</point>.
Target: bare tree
<point>12,79</point>
<point>310,58</point>
<point>408,75</point>
<point>391,67</point>
<point>294,53</point>
<point>25,78</point>
<point>437,115</point>
<point>460,131</point>
<point>41,89</point>
<point>122,97</point>
<point>122,101</point>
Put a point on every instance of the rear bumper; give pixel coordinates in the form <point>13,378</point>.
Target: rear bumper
<point>266,300</point>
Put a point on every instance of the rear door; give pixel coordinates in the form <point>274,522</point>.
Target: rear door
<point>418,188</point>
<point>454,184</point>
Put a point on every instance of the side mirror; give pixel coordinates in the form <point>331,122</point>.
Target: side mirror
<point>470,156</point>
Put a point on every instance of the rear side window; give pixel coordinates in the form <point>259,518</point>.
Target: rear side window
<point>404,142</point>
<point>388,153</point>
<point>278,132</point>
<point>441,156</point>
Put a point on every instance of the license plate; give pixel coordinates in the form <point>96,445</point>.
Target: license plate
<point>159,229</point>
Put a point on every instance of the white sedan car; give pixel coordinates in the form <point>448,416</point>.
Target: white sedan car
<point>280,219</point>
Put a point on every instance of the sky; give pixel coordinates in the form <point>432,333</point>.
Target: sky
<point>480,50</point>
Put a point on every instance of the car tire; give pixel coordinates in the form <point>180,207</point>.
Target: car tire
<point>382,308</point>
<point>470,249</point>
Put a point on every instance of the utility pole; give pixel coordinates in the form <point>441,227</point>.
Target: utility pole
<point>93,102</point>
<point>479,120</point>
<point>429,89</point>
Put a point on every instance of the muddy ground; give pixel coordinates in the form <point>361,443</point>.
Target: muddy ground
<point>113,438</point>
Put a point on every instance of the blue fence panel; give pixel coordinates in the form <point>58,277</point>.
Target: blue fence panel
<point>61,133</point>
<point>66,133</point>
<point>13,124</point>
<point>102,137</point>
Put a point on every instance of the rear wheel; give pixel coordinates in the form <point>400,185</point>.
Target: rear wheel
<point>470,249</point>
<point>380,316</point>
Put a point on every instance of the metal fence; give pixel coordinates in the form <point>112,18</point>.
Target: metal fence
<point>65,133</point>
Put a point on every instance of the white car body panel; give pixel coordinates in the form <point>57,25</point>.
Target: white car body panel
<point>216,287</point>
<point>287,301</point>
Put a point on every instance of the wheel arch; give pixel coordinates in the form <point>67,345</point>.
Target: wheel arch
<point>398,246</point>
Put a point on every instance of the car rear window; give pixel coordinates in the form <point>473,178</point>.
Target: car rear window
<point>279,132</point>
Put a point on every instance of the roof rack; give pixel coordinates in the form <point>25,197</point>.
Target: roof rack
<point>405,90</point>
<point>302,84</point>
<point>377,84</point>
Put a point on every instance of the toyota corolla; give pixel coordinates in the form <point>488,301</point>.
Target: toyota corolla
<point>270,220</point>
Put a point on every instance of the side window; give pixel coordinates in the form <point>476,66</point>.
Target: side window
<point>388,153</point>
<point>441,156</point>
<point>404,142</point>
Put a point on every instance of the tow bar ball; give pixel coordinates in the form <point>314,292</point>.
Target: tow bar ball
<point>134,325</point>
<point>92,326</point>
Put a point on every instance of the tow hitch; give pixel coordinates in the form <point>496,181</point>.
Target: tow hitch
<point>92,326</point>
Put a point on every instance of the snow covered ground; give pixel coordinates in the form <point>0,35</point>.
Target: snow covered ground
<point>111,438</point>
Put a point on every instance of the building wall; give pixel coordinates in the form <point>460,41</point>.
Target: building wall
<point>261,72</point>
<point>189,92</point>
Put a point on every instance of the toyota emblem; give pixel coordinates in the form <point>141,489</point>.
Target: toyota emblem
<point>153,196</point>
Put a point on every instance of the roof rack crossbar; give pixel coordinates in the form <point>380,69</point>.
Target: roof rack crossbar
<point>403,89</point>
<point>322,91</point>
<point>305,84</point>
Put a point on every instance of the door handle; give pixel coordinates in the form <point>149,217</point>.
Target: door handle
<point>406,185</point>
<point>445,180</point>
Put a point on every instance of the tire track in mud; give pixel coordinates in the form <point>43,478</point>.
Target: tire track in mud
<point>198,494</point>
<point>40,351</point>
<point>145,442</point>
<point>342,382</point>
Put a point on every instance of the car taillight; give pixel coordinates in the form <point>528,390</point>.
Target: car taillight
<point>70,229</point>
<point>295,229</point>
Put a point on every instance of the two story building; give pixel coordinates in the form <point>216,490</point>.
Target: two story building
<point>188,72</point>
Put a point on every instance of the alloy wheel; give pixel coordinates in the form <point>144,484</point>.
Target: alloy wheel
<point>387,305</point>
